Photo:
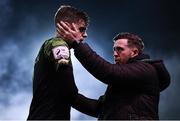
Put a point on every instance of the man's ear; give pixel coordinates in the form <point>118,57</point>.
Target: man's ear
<point>134,52</point>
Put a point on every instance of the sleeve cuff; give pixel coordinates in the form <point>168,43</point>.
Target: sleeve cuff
<point>75,44</point>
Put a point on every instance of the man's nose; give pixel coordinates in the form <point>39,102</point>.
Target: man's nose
<point>115,54</point>
<point>85,35</point>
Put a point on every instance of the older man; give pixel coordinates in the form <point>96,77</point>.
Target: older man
<point>134,81</point>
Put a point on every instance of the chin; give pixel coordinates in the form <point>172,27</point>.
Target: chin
<point>117,62</point>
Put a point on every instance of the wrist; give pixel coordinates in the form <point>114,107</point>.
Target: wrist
<point>75,43</point>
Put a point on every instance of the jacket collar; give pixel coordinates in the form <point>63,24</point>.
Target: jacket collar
<point>139,57</point>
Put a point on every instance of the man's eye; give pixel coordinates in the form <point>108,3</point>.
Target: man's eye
<point>118,49</point>
<point>82,29</point>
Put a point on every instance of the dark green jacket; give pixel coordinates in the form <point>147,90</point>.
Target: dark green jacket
<point>54,89</point>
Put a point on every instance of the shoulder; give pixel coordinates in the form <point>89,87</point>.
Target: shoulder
<point>57,49</point>
<point>54,44</point>
<point>146,65</point>
<point>143,68</point>
<point>148,70</point>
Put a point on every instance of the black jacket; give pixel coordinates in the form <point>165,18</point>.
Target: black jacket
<point>133,88</point>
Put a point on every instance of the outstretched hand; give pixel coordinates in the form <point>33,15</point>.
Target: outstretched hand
<point>69,34</point>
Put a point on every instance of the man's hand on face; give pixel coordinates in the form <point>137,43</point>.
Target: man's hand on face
<point>69,34</point>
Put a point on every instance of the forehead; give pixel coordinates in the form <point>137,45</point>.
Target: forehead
<point>121,43</point>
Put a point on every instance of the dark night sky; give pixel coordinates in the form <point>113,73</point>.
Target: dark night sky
<point>24,25</point>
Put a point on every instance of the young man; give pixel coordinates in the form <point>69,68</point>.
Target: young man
<point>134,81</point>
<point>54,89</point>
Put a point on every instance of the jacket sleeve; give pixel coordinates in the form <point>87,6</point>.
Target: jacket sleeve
<point>88,106</point>
<point>112,73</point>
<point>58,53</point>
<point>66,83</point>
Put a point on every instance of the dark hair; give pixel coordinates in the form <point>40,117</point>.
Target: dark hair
<point>70,14</point>
<point>133,40</point>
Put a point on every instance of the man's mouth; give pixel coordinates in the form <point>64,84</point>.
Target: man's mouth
<point>116,60</point>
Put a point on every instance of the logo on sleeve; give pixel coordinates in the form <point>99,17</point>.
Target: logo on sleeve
<point>61,52</point>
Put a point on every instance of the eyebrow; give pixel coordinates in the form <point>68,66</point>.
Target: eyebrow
<point>117,48</point>
<point>82,29</point>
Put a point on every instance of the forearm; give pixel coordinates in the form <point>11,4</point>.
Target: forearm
<point>87,105</point>
<point>111,74</point>
<point>95,64</point>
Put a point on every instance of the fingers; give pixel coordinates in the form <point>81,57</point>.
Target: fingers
<point>74,27</point>
<point>60,29</point>
<point>68,33</point>
<point>65,34</point>
<point>66,27</point>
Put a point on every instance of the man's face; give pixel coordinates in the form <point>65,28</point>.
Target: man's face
<point>122,52</point>
<point>81,26</point>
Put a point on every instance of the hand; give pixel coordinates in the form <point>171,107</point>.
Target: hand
<point>68,34</point>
